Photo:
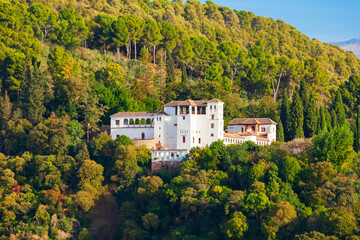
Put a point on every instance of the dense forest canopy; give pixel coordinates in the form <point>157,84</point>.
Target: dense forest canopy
<point>66,66</point>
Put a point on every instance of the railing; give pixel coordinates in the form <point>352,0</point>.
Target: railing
<point>134,126</point>
<point>168,155</point>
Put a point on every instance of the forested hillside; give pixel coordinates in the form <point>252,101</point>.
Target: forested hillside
<point>66,66</point>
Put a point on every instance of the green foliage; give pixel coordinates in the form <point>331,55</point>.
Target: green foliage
<point>335,146</point>
<point>235,227</point>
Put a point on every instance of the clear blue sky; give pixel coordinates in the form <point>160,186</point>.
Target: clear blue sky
<point>326,20</point>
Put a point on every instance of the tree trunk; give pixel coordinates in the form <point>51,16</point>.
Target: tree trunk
<point>118,52</point>
<point>104,50</point>
<point>154,52</point>
<point>135,55</point>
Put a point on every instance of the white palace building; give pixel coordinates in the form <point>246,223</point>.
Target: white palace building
<point>187,124</point>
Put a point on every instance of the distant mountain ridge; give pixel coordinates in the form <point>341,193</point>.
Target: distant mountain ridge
<point>350,45</point>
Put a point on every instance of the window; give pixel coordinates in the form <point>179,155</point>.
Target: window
<point>183,139</point>
<point>172,154</point>
<point>273,129</point>
<point>199,140</point>
<point>212,135</point>
<point>193,139</point>
<point>212,117</point>
<point>262,129</point>
<point>175,124</point>
<point>183,117</point>
<point>253,128</point>
<point>159,136</point>
<point>117,122</point>
<point>126,122</point>
<point>117,136</point>
<point>212,125</point>
<point>160,119</point>
<point>210,107</point>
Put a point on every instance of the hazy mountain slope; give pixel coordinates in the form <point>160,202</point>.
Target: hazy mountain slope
<point>351,45</point>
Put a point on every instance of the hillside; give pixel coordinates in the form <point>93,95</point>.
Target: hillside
<point>66,66</point>
<point>350,45</point>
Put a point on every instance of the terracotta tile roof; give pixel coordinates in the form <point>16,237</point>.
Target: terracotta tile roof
<point>138,114</point>
<point>190,102</point>
<point>248,133</point>
<point>251,121</point>
<point>262,139</point>
<point>233,135</point>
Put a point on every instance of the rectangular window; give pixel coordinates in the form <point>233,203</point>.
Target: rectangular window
<point>212,125</point>
<point>160,119</point>
<point>199,140</point>
<point>212,134</point>
<point>183,139</point>
<point>212,117</point>
<point>262,129</point>
<point>117,122</point>
<point>183,117</point>
<point>193,139</point>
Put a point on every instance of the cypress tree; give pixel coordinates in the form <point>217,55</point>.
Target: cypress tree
<point>339,109</point>
<point>280,132</point>
<point>184,76</point>
<point>170,71</point>
<point>284,115</point>
<point>333,119</point>
<point>328,119</point>
<point>310,118</point>
<point>303,93</point>
<point>296,120</point>
<point>5,110</point>
<point>321,123</point>
<point>357,132</point>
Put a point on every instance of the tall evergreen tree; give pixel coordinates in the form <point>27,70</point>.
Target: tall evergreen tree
<point>328,119</point>
<point>33,93</point>
<point>310,118</point>
<point>339,108</point>
<point>357,132</point>
<point>5,110</point>
<point>296,119</point>
<point>184,76</point>
<point>333,119</point>
<point>170,71</point>
<point>284,115</point>
<point>321,123</point>
<point>280,132</point>
<point>304,94</point>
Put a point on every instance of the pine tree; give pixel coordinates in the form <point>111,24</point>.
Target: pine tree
<point>280,132</point>
<point>357,132</point>
<point>310,118</point>
<point>296,119</point>
<point>339,109</point>
<point>184,76</point>
<point>170,71</point>
<point>284,115</point>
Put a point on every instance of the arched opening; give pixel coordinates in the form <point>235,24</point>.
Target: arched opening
<point>137,121</point>
<point>148,121</point>
<point>131,121</point>
<point>142,135</point>
<point>142,121</point>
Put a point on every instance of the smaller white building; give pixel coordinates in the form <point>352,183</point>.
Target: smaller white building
<point>261,131</point>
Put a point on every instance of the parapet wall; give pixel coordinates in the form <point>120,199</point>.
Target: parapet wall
<point>149,143</point>
<point>170,166</point>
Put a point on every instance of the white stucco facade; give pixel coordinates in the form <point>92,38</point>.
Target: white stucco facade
<point>183,125</point>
